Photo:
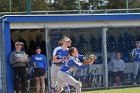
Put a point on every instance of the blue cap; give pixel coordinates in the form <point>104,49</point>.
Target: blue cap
<point>38,48</point>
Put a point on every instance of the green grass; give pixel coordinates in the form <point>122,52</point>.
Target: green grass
<point>118,90</point>
<point>122,90</point>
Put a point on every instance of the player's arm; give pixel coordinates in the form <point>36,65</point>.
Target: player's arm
<point>81,58</point>
<point>33,61</point>
<point>12,60</point>
<point>78,64</point>
<point>56,60</point>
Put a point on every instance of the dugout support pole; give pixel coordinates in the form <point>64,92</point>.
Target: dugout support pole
<point>127,7</point>
<point>48,58</point>
<point>104,52</point>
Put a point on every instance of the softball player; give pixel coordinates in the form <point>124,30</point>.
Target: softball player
<point>39,62</point>
<point>59,55</point>
<point>136,59</point>
<point>63,74</point>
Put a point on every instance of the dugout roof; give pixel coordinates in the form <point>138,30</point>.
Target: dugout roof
<point>84,20</point>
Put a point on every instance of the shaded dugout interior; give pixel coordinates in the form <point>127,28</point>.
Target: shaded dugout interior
<point>32,29</point>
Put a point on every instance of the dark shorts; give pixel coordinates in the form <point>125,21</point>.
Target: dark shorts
<point>39,72</point>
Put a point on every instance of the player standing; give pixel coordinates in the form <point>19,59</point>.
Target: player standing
<point>59,54</point>
<point>136,59</point>
<point>40,65</point>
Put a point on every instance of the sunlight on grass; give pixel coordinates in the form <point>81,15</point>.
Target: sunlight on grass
<point>123,90</point>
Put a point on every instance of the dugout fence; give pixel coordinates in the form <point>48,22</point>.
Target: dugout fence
<point>103,42</point>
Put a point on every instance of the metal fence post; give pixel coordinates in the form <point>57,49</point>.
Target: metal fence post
<point>104,52</point>
<point>28,7</point>
<point>1,76</point>
<point>10,6</point>
<point>79,6</point>
<point>127,6</point>
<point>48,57</point>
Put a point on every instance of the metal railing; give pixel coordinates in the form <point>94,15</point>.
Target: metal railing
<point>100,11</point>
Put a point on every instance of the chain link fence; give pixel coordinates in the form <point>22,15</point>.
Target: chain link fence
<point>90,41</point>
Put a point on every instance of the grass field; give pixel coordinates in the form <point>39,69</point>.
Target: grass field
<point>122,90</point>
<point>118,90</point>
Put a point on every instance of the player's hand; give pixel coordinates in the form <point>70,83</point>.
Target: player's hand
<point>72,68</point>
<point>17,60</point>
<point>87,62</point>
<point>35,66</point>
<point>64,60</point>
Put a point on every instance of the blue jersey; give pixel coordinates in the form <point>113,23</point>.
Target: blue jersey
<point>72,63</point>
<point>60,53</point>
<point>81,58</point>
<point>40,61</point>
<point>136,54</point>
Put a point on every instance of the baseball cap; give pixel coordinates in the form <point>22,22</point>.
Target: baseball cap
<point>21,43</point>
<point>37,48</point>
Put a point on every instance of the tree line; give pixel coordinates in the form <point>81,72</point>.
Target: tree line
<point>42,5</point>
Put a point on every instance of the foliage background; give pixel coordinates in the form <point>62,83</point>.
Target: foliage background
<point>42,5</point>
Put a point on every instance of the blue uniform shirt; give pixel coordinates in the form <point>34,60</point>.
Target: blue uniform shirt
<point>40,61</point>
<point>136,54</point>
<point>71,63</point>
<point>60,54</point>
<point>81,58</point>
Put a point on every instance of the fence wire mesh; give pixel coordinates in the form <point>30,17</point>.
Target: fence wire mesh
<point>89,41</point>
<point>122,40</point>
